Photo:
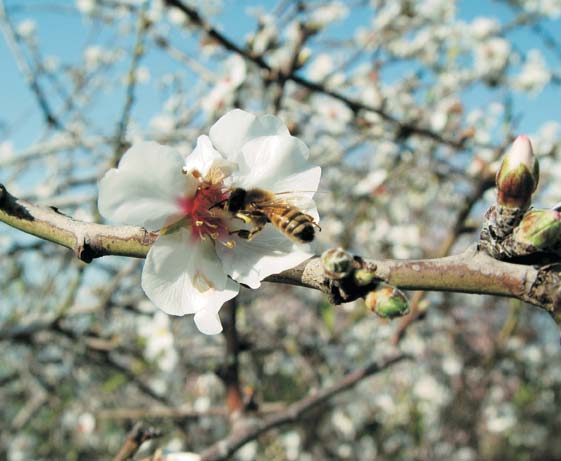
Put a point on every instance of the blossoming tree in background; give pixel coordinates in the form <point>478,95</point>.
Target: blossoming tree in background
<point>128,124</point>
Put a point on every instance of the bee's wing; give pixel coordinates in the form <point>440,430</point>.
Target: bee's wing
<point>283,200</point>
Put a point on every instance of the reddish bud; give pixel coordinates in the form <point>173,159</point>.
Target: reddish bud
<point>518,176</point>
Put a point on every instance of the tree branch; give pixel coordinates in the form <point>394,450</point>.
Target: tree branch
<point>87,240</point>
<point>135,438</point>
<point>224,449</point>
<point>469,272</point>
<point>404,128</point>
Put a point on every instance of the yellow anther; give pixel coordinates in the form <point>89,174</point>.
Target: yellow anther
<point>199,223</point>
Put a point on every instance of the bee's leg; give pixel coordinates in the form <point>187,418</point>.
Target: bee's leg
<point>245,216</point>
<point>258,220</point>
<point>241,233</point>
<point>248,234</point>
<point>257,227</point>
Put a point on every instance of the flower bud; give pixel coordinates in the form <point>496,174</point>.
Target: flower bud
<point>387,302</point>
<point>518,175</point>
<point>363,277</point>
<point>337,263</point>
<point>540,228</point>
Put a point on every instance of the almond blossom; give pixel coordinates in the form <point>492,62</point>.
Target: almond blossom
<point>198,261</point>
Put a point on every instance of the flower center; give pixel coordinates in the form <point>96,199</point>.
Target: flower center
<point>205,215</point>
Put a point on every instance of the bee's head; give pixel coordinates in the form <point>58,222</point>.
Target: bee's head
<point>236,200</point>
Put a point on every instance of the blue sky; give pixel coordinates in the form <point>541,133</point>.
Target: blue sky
<point>63,32</point>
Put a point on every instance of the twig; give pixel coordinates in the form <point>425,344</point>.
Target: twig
<point>229,373</point>
<point>404,128</point>
<point>181,412</point>
<point>28,74</point>
<point>224,449</point>
<point>138,52</point>
<point>135,438</point>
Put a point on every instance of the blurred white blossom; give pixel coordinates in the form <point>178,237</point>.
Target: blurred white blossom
<point>26,28</point>
<point>535,74</point>
<point>491,57</point>
<point>223,93</point>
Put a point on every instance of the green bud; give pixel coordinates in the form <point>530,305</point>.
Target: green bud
<point>363,277</point>
<point>387,302</point>
<point>539,228</point>
<point>337,263</point>
<point>518,176</point>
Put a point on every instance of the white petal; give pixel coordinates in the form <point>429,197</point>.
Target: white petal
<point>278,164</point>
<point>269,252</point>
<point>237,127</point>
<point>145,187</point>
<point>183,276</point>
<point>208,322</point>
<point>204,157</point>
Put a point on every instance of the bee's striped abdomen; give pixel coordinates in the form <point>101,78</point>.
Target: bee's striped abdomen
<point>294,224</point>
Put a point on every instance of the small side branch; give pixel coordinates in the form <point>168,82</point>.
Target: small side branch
<point>135,438</point>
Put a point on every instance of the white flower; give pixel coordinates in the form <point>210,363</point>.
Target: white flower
<point>94,56</point>
<point>86,423</point>
<point>159,341</point>
<point>535,74</point>
<point>321,67</point>
<point>6,150</point>
<point>184,456</point>
<point>500,418</point>
<point>142,75</point>
<point>292,442</point>
<point>194,265</point>
<point>324,15</point>
<point>332,114</point>
<point>85,6</point>
<point>177,17</point>
<point>247,452</point>
<point>265,36</point>
<point>483,27</point>
<point>163,124</point>
<point>491,57</point>
<point>223,93</point>
<point>26,28</point>
<point>371,182</point>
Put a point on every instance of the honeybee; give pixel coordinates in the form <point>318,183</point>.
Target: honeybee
<point>259,207</point>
